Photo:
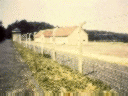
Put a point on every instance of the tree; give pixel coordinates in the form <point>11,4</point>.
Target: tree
<point>9,31</point>
<point>2,32</point>
<point>27,27</point>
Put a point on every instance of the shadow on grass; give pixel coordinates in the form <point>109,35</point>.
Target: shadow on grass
<point>47,55</point>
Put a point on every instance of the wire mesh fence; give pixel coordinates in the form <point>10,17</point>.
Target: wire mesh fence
<point>113,74</point>
<point>66,59</point>
<point>23,37</point>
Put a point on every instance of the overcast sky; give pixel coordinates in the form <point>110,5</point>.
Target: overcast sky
<point>109,15</point>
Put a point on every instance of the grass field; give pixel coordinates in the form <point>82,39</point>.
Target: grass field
<point>112,52</point>
<point>55,77</point>
<point>117,49</point>
<point>116,52</point>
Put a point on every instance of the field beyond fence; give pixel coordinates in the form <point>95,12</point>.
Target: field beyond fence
<point>112,52</point>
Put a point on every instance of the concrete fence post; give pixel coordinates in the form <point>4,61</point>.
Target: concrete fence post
<point>38,46</point>
<point>26,40</point>
<point>80,59</point>
<point>34,46</point>
<point>80,49</point>
<point>20,39</point>
<point>29,39</point>
<point>53,51</point>
<point>42,50</point>
<point>34,42</point>
<point>121,81</point>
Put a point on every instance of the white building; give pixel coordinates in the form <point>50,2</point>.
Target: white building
<point>16,34</point>
<point>63,35</point>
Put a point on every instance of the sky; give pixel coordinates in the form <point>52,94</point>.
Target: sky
<point>107,15</point>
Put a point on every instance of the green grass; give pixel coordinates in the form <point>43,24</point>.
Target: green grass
<point>55,77</point>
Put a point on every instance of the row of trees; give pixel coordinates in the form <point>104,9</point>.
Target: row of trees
<point>95,35</point>
<point>27,27</point>
<point>2,32</point>
<point>30,27</point>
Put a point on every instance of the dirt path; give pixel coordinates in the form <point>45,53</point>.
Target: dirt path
<point>14,74</point>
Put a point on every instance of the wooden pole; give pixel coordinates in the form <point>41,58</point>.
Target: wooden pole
<point>80,49</point>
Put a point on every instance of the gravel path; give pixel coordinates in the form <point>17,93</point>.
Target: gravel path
<point>15,75</point>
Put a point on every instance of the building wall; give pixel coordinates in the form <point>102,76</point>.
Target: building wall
<point>73,39</point>
<point>16,37</point>
<point>37,40</point>
<point>41,39</point>
<point>47,40</point>
<point>58,40</point>
<point>61,40</point>
<point>84,37</point>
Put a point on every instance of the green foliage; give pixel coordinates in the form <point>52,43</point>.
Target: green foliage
<point>95,35</point>
<point>27,27</point>
<point>2,33</point>
<point>55,77</point>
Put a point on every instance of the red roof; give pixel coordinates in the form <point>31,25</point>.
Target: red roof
<point>48,33</point>
<point>60,32</point>
<point>38,34</point>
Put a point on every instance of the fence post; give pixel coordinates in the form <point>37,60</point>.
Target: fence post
<point>53,51</point>
<point>34,42</point>
<point>26,40</point>
<point>34,47</point>
<point>121,81</point>
<point>29,39</point>
<point>80,49</point>
<point>20,39</point>
<point>41,49</point>
<point>80,59</point>
<point>42,45</point>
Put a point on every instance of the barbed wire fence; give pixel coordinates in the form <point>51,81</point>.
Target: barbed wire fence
<point>113,74</point>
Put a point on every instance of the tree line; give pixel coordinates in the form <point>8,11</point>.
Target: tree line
<point>2,32</point>
<point>31,27</point>
<point>27,27</point>
<point>95,35</point>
